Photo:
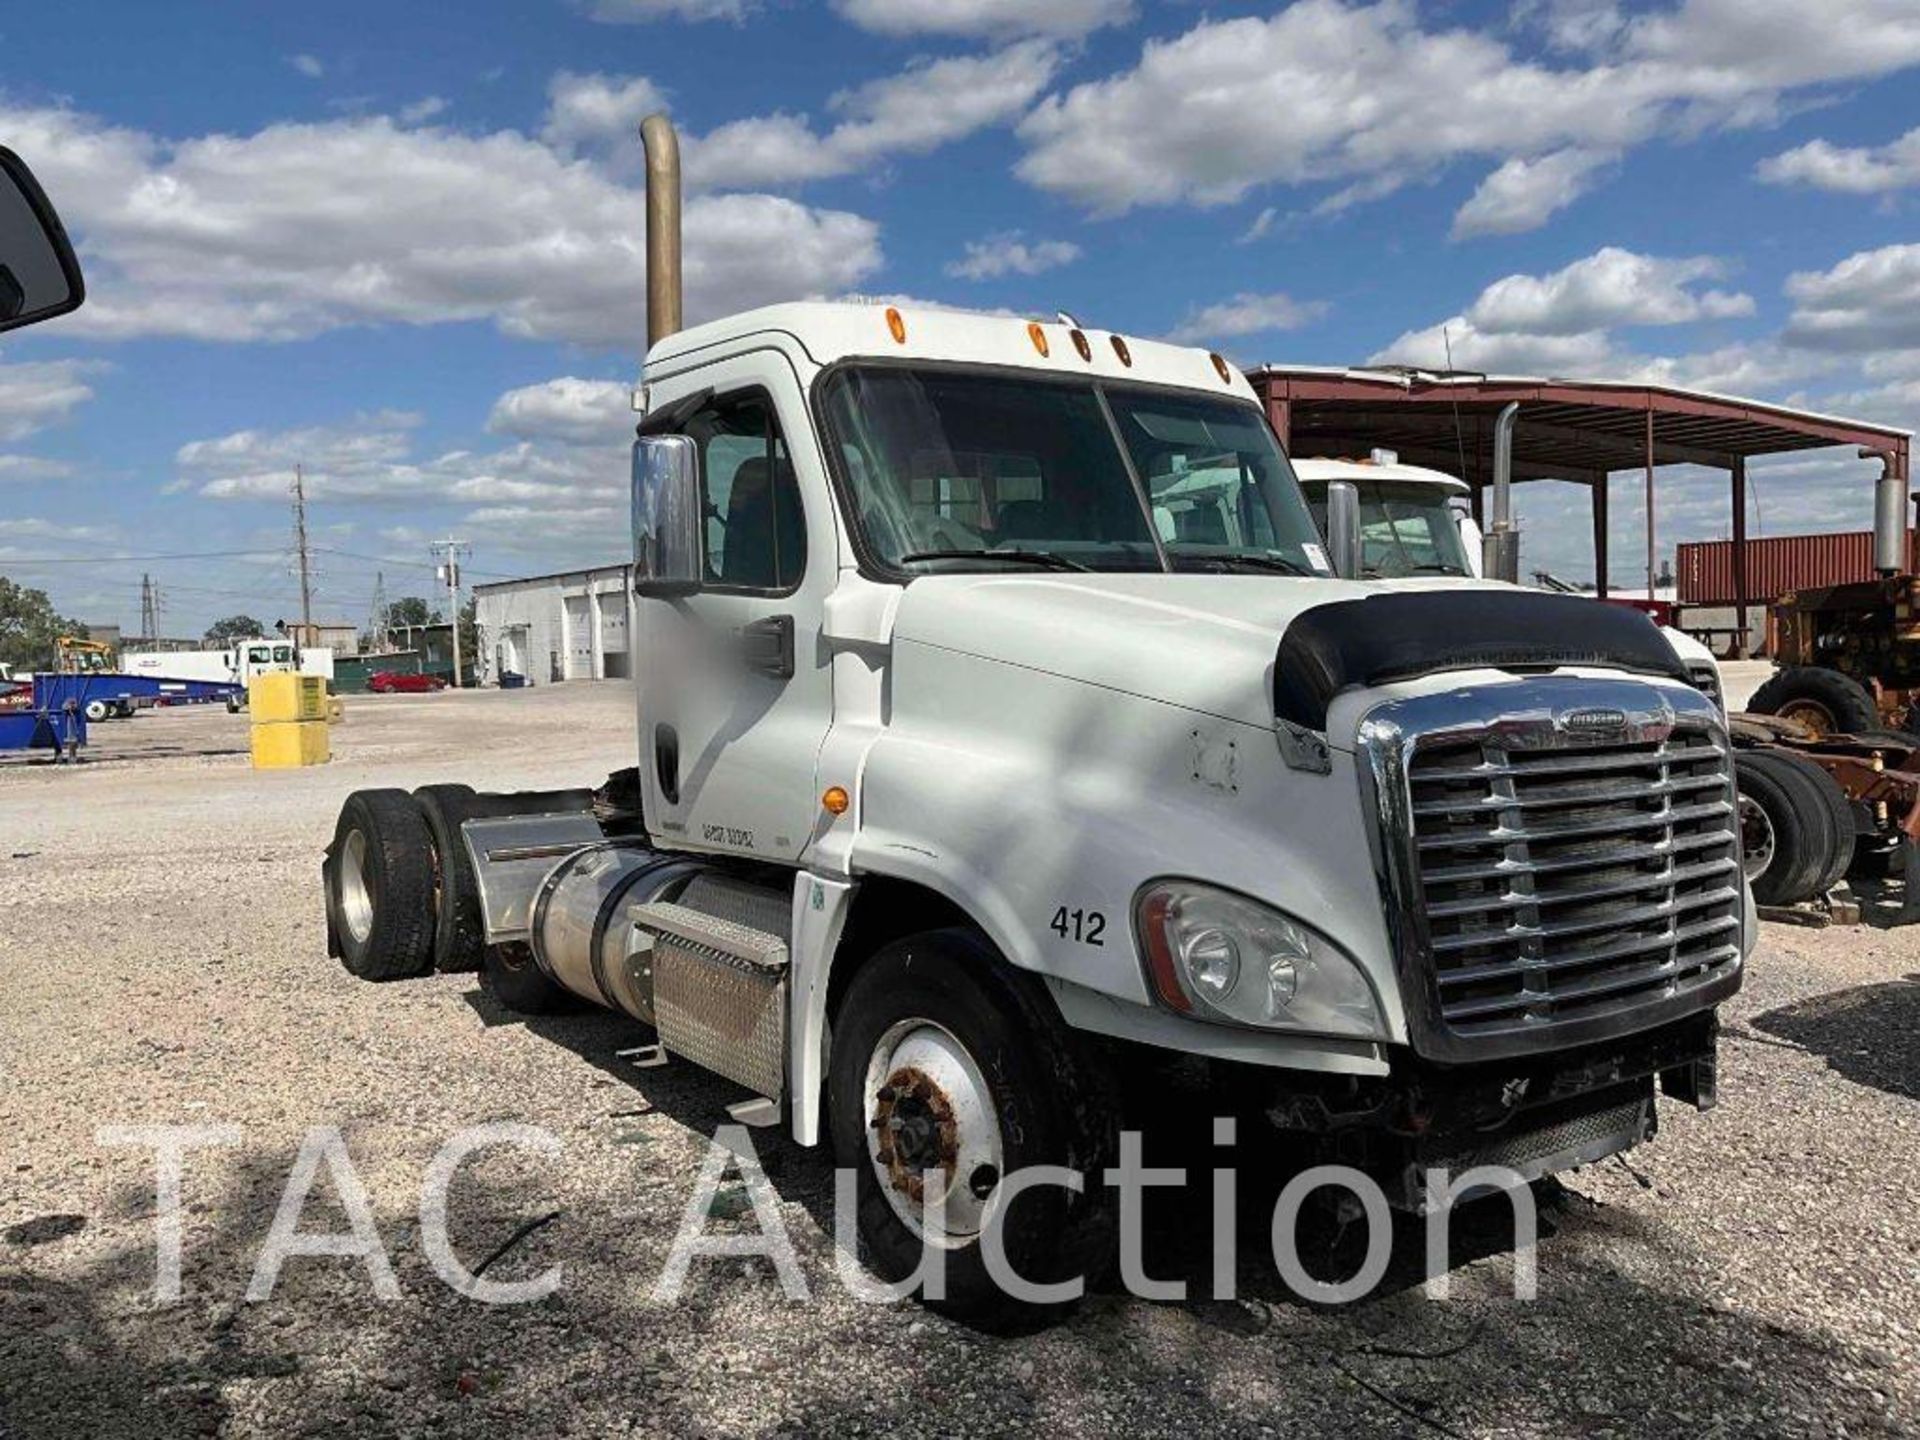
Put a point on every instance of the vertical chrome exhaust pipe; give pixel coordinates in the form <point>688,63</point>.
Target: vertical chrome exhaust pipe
<point>663,227</point>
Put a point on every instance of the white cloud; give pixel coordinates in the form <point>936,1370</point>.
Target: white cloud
<point>1561,323</point>
<point>598,110</point>
<point>37,393</point>
<point>1246,314</point>
<point>1609,287</point>
<point>36,528</point>
<point>301,229</point>
<point>1011,254</point>
<point>308,65</point>
<point>1261,227</point>
<point>1526,191</point>
<point>642,12</point>
<point>1866,170</point>
<point>26,468</point>
<point>1869,301</point>
<point>1329,92</point>
<point>976,18</point>
<point>568,409</point>
<point>423,109</point>
<point>928,105</point>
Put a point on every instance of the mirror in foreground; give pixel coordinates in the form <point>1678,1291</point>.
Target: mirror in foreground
<point>39,276</point>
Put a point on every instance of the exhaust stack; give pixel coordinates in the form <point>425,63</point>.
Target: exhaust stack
<point>1500,546</point>
<point>1889,515</point>
<point>663,227</point>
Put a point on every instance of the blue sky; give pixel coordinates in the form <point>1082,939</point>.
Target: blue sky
<point>400,243</point>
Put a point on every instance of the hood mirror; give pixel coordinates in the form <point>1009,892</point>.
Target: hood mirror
<point>39,274</point>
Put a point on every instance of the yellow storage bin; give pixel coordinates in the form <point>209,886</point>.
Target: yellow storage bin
<point>282,695</point>
<point>284,744</point>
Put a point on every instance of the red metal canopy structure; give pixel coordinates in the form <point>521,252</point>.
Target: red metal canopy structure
<point>1576,430</point>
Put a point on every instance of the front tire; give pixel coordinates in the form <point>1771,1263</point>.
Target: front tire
<point>379,876</point>
<point>1786,831</point>
<point>946,1063</point>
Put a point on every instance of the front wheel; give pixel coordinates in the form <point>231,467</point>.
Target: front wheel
<point>950,1073</point>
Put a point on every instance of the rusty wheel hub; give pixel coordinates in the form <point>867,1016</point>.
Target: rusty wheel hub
<point>933,1132</point>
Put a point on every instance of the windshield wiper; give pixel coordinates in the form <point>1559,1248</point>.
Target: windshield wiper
<point>1277,563</point>
<point>1425,567</point>
<point>1046,559</point>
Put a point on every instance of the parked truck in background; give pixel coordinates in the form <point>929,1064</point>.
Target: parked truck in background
<point>983,764</point>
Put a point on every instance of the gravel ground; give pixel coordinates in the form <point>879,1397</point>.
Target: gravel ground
<point>1752,1272</point>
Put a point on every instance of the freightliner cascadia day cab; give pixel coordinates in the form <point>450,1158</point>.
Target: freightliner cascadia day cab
<point>979,766</point>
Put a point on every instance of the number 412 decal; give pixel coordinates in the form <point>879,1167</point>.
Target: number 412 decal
<point>1082,926</point>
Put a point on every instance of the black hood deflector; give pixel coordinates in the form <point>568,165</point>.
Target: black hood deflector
<point>1382,638</point>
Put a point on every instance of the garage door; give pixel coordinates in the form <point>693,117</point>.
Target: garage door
<point>579,638</point>
<point>613,637</point>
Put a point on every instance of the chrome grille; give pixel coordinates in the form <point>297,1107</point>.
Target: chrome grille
<point>1549,885</point>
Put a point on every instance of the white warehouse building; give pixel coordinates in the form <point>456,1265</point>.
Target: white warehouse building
<point>570,626</point>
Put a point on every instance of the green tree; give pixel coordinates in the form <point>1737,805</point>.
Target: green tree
<point>234,627</point>
<point>470,637</point>
<point>412,610</point>
<point>29,625</point>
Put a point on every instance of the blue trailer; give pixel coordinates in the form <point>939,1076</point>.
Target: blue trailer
<point>62,731</point>
<point>104,694</point>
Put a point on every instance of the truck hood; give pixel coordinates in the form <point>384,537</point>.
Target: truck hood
<point>1202,642</point>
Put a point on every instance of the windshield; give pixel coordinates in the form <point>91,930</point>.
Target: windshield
<point>946,467</point>
<point>1406,528</point>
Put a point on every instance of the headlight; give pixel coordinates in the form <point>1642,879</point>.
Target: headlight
<point>1220,956</point>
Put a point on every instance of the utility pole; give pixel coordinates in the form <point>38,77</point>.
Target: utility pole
<point>300,542</point>
<point>448,569</point>
<point>377,620</point>
<point>149,604</point>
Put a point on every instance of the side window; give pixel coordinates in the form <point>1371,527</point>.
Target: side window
<point>755,530</point>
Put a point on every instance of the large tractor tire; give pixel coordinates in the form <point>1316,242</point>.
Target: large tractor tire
<point>946,1062</point>
<point>459,932</point>
<point>379,881</point>
<point>1825,701</point>
<point>1786,828</point>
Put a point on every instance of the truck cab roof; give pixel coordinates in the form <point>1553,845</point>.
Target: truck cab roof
<point>908,330</point>
<point>1320,470</point>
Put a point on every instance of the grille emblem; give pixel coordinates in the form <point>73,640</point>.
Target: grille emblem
<point>1597,721</point>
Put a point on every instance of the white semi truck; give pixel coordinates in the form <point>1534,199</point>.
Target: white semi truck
<point>980,765</point>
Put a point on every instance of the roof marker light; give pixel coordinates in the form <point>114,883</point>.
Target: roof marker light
<point>1120,349</point>
<point>896,326</point>
<point>1080,344</point>
<point>1221,367</point>
<point>1038,336</point>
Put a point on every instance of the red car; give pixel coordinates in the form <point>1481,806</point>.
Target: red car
<point>403,682</point>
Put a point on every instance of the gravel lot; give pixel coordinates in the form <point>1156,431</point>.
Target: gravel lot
<point>1753,1272</point>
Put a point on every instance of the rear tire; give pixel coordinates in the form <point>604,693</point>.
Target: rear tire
<point>1825,701</point>
<point>379,875</point>
<point>459,931</point>
<point>935,1030</point>
<point>96,710</point>
<point>1786,829</point>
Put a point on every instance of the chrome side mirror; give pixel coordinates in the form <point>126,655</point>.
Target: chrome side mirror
<point>39,276</point>
<point>667,549</point>
<point>1343,528</point>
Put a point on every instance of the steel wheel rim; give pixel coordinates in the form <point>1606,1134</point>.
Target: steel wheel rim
<point>1812,714</point>
<point>356,899</point>
<point>1757,839</point>
<point>932,1127</point>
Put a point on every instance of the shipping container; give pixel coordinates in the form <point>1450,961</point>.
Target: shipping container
<point>1775,565</point>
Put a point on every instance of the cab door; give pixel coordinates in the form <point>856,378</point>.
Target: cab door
<point>735,688</point>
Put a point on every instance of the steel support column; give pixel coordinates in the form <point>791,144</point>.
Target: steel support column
<point>1738,471</point>
<point>1650,501</point>
<point>1600,497</point>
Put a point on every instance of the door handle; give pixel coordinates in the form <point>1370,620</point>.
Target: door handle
<point>766,646</point>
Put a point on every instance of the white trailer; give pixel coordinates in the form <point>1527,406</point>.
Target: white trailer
<point>970,737</point>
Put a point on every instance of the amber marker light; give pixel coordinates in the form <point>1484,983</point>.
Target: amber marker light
<point>1080,344</point>
<point>1120,349</point>
<point>835,800</point>
<point>1221,366</point>
<point>1038,336</point>
<point>896,326</point>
